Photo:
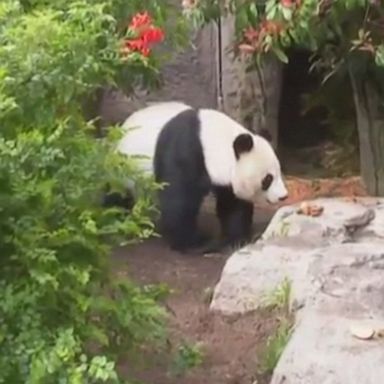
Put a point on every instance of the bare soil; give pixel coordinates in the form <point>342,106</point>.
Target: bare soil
<point>232,347</point>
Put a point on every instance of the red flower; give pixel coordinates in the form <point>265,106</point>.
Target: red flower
<point>136,45</point>
<point>287,3</point>
<point>140,20</point>
<point>152,35</point>
<point>146,35</point>
<point>255,37</point>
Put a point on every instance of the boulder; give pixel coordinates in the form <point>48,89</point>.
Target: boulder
<point>345,289</point>
<point>335,263</point>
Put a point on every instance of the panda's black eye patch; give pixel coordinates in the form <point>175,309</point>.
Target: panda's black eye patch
<point>267,181</point>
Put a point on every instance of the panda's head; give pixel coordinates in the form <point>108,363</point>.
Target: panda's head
<point>257,174</point>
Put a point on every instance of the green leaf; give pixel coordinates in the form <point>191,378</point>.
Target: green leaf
<point>271,9</point>
<point>287,13</point>
<point>253,11</point>
<point>379,56</point>
<point>280,54</point>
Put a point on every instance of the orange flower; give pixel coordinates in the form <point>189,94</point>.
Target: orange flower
<point>140,20</point>
<point>271,27</point>
<point>251,34</point>
<point>153,35</point>
<point>147,34</point>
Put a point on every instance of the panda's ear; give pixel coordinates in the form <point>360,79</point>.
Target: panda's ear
<point>243,143</point>
<point>265,134</point>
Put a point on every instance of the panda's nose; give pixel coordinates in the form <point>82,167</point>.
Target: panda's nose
<point>282,198</point>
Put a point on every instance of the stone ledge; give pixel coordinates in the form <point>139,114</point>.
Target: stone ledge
<point>336,265</point>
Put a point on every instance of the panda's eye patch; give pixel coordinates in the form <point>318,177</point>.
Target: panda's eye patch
<point>267,181</point>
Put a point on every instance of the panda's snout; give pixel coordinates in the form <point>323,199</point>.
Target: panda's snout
<point>277,192</point>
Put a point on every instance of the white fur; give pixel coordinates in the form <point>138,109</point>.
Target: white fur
<point>217,134</point>
<point>245,174</point>
<point>144,128</point>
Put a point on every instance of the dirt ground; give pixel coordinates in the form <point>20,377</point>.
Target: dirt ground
<point>231,347</point>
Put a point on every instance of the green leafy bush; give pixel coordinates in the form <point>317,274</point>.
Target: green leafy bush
<point>63,319</point>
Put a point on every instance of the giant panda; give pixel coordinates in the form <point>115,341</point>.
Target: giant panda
<point>195,152</point>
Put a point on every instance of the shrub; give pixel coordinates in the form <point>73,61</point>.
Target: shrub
<point>63,319</point>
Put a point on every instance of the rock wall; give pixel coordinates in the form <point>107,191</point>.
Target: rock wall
<point>252,97</point>
<point>191,76</point>
<point>335,263</point>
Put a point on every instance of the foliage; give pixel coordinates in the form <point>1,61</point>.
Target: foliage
<point>280,296</point>
<point>345,37</point>
<point>275,346</point>
<point>188,356</point>
<point>335,30</point>
<point>63,318</point>
<point>341,156</point>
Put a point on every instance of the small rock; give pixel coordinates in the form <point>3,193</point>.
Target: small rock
<point>362,332</point>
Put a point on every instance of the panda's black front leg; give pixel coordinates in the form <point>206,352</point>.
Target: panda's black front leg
<point>235,217</point>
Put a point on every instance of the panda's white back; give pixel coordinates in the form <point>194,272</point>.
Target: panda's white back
<point>144,128</point>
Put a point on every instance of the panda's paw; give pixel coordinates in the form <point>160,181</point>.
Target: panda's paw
<point>214,246</point>
<point>196,245</point>
<point>192,245</point>
<point>200,239</point>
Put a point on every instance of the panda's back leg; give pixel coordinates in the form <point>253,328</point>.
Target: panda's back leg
<point>115,199</point>
<point>235,216</point>
<point>179,209</point>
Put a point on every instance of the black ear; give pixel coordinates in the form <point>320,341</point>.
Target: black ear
<point>242,143</point>
<point>264,133</point>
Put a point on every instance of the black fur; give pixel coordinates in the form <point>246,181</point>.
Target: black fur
<point>235,216</point>
<point>179,162</point>
<point>116,199</point>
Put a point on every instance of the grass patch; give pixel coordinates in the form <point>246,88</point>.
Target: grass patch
<point>188,356</point>
<point>279,297</point>
<point>275,346</point>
